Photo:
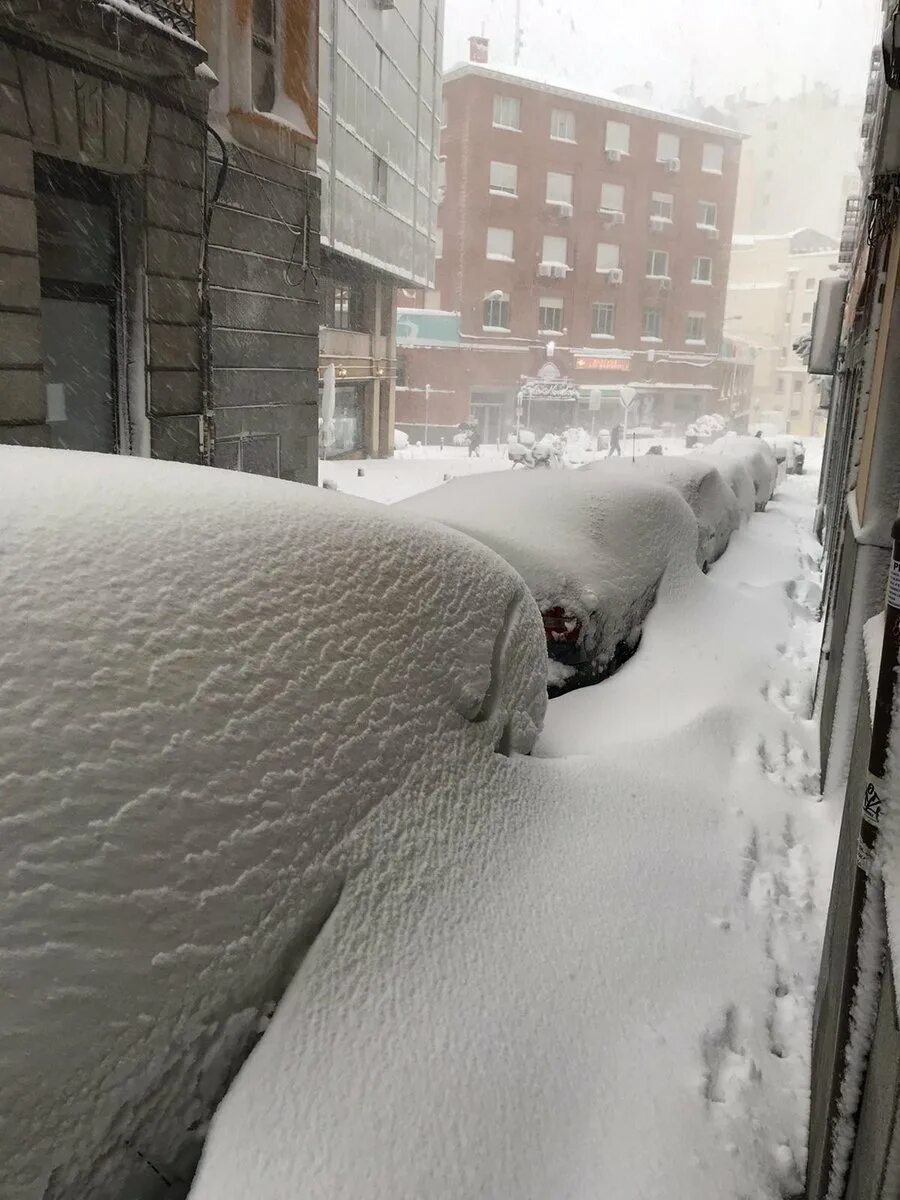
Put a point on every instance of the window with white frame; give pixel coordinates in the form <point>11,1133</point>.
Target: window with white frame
<point>496,311</point>
<point>504,178</point>
<point>618,137</point>
<point>662,206</point>
<point>438,243</point>
<point>612,197</point>
<point>262,54</point>
<point>607,256</point>
<point>500,243</point>
<point>713,157</point>
<point>562,125</point>
<point>507,112</point>
<point>658,264</point>
<point>559,188</point>
<point>555,250</point>
<point>651,323</point>
<point>603,320</point>
<point>550,314</point>
<point>707,214</point>
<point>696,327</point>
<point>701,270</point>
<point>807,318</point>
<point>668,147</point>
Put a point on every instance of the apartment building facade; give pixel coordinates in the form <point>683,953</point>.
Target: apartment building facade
<point>159,230</point>
<point>587,230</point>
<point>772,290</point>
<point>379,92</point>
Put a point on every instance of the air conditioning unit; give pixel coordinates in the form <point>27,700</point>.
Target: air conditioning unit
<point>616,275</point>
<point>558,270</point>
<point>617,218</point>
<point>658,222</point>
<point>544,269</point>
<point>712,233</point>
<point>673,165</point>
<point>614,155</point>
<point>563,208</point>
<point>665,284</point>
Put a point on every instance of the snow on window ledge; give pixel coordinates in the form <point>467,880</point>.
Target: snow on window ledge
<point>703,282</point>
<point>495,329</point>
<point>707,228</point>
<point>604,337</point>
<point>511,128</point>
<point>655,340</point>
<point>500,257</point>
<point>695,341</point>
<point>554,137</point>
<point>500,192</point>
<point>711,170</point>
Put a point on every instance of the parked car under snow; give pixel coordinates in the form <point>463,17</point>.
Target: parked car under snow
<point>593,549</point>
<point>699,482</point>
<point>209,680</point>
<point>757,456</point>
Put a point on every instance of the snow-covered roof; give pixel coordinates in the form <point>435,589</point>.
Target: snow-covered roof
<point>532,79</point>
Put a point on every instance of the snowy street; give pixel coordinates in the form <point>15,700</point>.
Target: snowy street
<point>589,972</point>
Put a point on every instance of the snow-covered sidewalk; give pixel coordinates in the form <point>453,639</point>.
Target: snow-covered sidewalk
<point>590,973</point>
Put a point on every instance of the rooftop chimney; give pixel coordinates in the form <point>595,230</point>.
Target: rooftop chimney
<point>478,49</point>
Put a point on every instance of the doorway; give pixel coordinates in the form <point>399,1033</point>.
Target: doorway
<point>78,254</point>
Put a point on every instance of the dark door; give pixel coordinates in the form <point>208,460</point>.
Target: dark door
<point>78,255</point>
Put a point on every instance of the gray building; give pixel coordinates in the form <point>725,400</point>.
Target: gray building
<point>379,119</point>
<point>158,253</point>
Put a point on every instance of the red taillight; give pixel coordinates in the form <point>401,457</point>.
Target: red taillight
<point>561,626</point>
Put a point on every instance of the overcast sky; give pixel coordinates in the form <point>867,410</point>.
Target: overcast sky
<point>765,46</point>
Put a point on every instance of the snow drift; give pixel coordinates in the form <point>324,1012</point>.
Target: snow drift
<point>208,680</point>
<point>756,455</point>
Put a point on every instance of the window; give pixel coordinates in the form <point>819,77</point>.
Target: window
<point>500,243</point>
<point>713,157</point>
<point>651,323</point>
<point>798,386</point>
<point>441,179</point>
<point>810,285</point>
<point>792,282</point>
<point>439,243</point>
<point>262,55</point>
<point>562,125</point>
<point>695,327</point>
<point>603,323</point>
<point>612,197</point>
<point>607,256</point>
<point>807,318</point>
<point>380,179</point>
<point>504,178</point>
<point>658,264</point>
<point>559,188</point>
<point>708,215</point>
<point>662,206</point>
<point>618,136</point>
<point>388,317</point>
<point>701,270</point>
<point>780,386</point>
<point>341,306</point>
<point>550,315</point>
<point>668,147</point>
<point>555,250</point>
<point>507,112</point>
<point>496,311</point>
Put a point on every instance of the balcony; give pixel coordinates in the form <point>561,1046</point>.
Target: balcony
<point>179,14</point>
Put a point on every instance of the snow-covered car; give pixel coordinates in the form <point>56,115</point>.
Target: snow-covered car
<point>210,679</point>
<point>758,457</point>
<point>698,481</point>
<point>791,450</point>
<point>592,548</point>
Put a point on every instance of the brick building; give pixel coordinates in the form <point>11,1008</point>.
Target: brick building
<point>594,224</point>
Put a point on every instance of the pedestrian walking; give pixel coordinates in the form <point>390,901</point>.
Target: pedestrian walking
<point>474,443</point>
<point>615,441</point>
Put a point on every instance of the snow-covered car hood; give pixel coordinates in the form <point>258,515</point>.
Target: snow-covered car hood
<point>758,457</point>
<point>701,485</point>
<point>208,680</point>
<point>578,539</point>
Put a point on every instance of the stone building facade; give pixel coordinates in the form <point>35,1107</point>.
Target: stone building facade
<point>158,251</point>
